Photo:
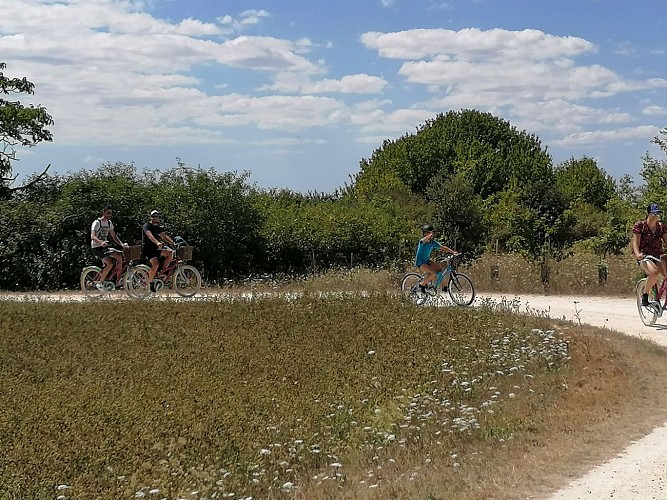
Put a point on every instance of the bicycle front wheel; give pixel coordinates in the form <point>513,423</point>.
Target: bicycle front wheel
<point>410,287</point>
<point>136,283</point>
<point>648,315</point>
<point>187,281</point>
<point>89,276</point>
<point>461,289</point>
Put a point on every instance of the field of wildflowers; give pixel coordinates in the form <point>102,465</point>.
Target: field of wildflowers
<point>267,398</point>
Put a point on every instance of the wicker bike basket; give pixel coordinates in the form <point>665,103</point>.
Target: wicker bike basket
<point>184,253</point>
<point>132,253</point>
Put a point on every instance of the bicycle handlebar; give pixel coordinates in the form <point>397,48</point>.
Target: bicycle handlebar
<point>449,257</point>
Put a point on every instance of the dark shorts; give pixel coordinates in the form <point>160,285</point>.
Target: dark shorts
<point>149,253</point>
<point>429,262</point>
<point>98,252</point>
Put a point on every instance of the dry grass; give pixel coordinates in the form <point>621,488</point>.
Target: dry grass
<point>575,275</point>
<point>353,397</point>
<point>510,273</point>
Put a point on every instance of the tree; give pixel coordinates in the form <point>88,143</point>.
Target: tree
<point>20,125</point>
<point>487,149</point>
<point>458,214</point>
<point>581,180</point>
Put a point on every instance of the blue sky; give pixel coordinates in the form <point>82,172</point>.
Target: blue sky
<point>298,92</point>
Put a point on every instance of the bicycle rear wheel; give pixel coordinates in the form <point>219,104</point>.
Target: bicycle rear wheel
<point>410,287</point>
<point>89,276</point>
<point>648,315</point>
<point>461,289</point>
<point>186,281</point>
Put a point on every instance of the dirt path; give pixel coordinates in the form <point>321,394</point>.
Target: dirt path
<point>640,471</point>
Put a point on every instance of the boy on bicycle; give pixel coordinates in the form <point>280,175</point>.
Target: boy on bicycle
<point>100,231</point>
<point>423,258</point>
<point>648,238</point>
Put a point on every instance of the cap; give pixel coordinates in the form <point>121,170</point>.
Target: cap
<point>654,208</point>
<point>154,213</point>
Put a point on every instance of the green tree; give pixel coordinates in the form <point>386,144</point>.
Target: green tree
<point>458,214</point>
<point>487,149</point>
<point>654,173</point>
<point>20,125</point>
<point>581,180</point>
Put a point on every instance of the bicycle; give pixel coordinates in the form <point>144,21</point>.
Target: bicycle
<point>649,314</point>
<point>459,287</point>
<point>181,277</point>
<point>128,276</point>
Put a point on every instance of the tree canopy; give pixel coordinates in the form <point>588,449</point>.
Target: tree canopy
<point>20,124</point>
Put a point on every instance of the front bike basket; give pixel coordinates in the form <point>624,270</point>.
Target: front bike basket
<point>132,252</point>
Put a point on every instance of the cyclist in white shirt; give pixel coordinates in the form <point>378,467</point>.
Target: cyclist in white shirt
<point>100,231</point>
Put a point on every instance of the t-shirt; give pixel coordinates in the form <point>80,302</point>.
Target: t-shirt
<point>424,251</point>
<point>155,230</point>
<point>650,243</point>
<point>101,229</point>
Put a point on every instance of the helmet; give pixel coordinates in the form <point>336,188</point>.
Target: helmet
<point>427,228</point>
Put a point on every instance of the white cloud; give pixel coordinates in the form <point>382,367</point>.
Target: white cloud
<point>644,132</point>
<point>110,73</point>
<point>654,110</point>
<point>349,84</point>
<point>275,112</point>
<point>529,77</point>
<point>474,44</point>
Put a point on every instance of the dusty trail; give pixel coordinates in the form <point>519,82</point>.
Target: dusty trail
<point>640,471</point>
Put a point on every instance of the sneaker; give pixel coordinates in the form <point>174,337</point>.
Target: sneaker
<point>445,288</point>
<point>422,289</point>
<point>644,299</point>
<point>100,286</point>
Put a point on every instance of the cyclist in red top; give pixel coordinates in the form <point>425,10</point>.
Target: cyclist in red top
<point>648,238</point>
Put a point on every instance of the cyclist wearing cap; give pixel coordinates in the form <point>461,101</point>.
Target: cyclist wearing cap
<point>100,230</point>
<point>152,236</point>
<point>648,238</point>
<point>423,258</point>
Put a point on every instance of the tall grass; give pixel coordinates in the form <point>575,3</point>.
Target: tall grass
<point>582,274</point>
<point>260,398</point>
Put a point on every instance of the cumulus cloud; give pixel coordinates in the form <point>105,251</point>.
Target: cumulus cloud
<point>655,110</point>
<point>644,132</point>
<point>348,84</point>
<point>111,73</point>
<point>530,77</point>
<point>474,44</point>
<point>245,19</point>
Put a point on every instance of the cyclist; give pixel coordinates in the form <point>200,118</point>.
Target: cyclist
<point>100,231</point>
<point>648,238</point>
<point>152,239</point>
<point>423,261</point>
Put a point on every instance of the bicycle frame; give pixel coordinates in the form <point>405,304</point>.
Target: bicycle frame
<point>660,292</point>
<point>117,271</point>
<point>441,275</point>
<point>166,274</point>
